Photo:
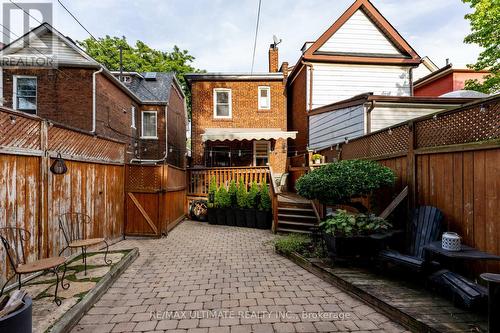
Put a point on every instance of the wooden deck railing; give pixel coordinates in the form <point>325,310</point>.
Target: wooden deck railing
<point>199,179</point>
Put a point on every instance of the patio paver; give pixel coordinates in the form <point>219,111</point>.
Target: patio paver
<point>204,278</point>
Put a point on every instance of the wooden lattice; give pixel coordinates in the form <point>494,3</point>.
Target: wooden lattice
<point>476,124</point>
<point>141,178</point>
<point>389,142</point>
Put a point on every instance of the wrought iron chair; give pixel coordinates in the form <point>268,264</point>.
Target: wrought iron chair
<point>74,227</point>
<point>14,242</point>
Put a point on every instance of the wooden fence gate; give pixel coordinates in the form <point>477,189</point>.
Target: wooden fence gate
<point>154,200</point>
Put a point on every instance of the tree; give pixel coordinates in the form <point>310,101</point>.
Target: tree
<point>141,58</point>
<point>485,27</point>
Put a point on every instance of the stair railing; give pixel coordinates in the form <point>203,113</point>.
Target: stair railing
<point>274,198</point>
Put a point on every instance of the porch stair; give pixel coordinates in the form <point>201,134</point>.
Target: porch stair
<point>295,214</point>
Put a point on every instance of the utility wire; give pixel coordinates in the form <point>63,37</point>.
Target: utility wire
<point>256,34</point>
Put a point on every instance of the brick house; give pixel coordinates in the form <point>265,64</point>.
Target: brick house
<point>73,89</point>
<point>239,119</point>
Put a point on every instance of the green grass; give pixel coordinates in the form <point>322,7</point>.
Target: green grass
<point>292,243</point>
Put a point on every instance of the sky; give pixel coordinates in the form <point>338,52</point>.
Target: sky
<point>220,33</point>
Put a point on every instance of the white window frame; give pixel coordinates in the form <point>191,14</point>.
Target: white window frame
<point>132,115</point>
<point>230,102</point>
<point>268,107</point>
<point>14,91</point>
<point>255,151</point>
<point>142,125</point>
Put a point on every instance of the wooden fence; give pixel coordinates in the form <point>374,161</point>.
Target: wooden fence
<point>32,197</point>
<point>450,160</point>
<point>199,179</point>
<point>155,199</point>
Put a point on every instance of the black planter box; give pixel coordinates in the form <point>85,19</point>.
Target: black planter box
<point>240,217</point>
<point>18,321</point>
<point>221,215</point>
<point>212,218</point>
<point>263,219</point>
<point>231,216</point>
<point>250,218</point>
<point>341,247</point>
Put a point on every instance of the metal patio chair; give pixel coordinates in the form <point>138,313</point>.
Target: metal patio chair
<point>14,242</point>
<point>74,227</point>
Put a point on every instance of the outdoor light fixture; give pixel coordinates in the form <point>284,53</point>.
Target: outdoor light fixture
<point>170,150</point>
<point>390,131</point>
<point>239,153</point>
<point>346,140</point>
<point>229,154</point>
<point>58,167</point>
<point>210,154</point>
<point>483,108</point>
<point>435,116</point>
<point>338,146</point>
<point>12,119</point>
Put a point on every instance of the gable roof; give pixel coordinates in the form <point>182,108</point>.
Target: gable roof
<point>406,54</point>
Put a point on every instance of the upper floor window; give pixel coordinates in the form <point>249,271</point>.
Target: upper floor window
<point>222,103</point>
<point>149,123</point>
<point>264,98</point>
<point>24,98</point>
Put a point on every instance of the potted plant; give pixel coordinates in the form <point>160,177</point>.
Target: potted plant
<point>212,189</point>
<point>263,213</point>
<point>347,235</point>
<point>317,158</point>
<point>231,213</point>
<point>241,201</point>
<point>222,203</point>
<point>252,204</point>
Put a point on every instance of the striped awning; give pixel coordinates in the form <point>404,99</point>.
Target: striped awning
<point>240,134</point>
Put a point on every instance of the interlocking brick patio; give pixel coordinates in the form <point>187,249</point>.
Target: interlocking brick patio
<point>205,278</point>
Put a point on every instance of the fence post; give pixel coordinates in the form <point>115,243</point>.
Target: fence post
<point>44,191</point>
<point>412,168</point>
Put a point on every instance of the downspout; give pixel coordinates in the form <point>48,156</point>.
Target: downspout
<point>311,71</point>
<point>94,98</point>
<point>369,117</point>
<point>166,144</point>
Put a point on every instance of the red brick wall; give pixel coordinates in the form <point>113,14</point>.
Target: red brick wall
<point>176,123</point>
<point>297,111</point>
<point>63,95</point>
<point>245,113</point>
<point>152,149</point>
<point>436,88</point>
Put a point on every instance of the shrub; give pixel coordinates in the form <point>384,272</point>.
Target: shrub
<point>347,224</point>
<point>265,203</point>
<point>253,196</point>
<point>241,195</point>
<point>233,191</point>
<point>292,243</point>
<point>222,198</point>
<point>212,189</point>
<point>337,183</point>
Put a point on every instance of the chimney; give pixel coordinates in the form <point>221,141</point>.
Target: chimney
<point>273,58</point>
<point>284,69</point>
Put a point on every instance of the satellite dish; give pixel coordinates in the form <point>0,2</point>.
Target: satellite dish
<point>276,40</point>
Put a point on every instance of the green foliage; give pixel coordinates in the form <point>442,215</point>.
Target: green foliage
<point>222,198</point>
<point>265,203</point>
<point>140,58</point>
<point>212,189</point>
<point>233,191</point>
<point>316,157</point>
<point>485,27</point>
<point>347,224</point>
<point>339,182</point>
<point>253,196</point>
<point>292,243</point>
<point>241,195</point>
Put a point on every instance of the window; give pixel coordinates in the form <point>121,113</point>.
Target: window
<point>222,103</point>
<point>132,115</point>
<point>24,98</point>
<point>149,125</point>
<point>264,98</point>
<point>261,153</point>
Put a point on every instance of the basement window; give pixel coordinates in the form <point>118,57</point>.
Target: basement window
<point>264,98</point>
<point>149,123</point>
<point>25,91</point>
<point>222,103</point>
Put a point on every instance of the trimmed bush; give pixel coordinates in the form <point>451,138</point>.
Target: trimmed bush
<point>222,199</point>
<point>253,196</point>
<point>338,183</point>
<point>265,203</point>
<point>233,192</point>
<point>241,195</point>
<point>212,189</point>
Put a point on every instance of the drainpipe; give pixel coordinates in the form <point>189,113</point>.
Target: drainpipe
<point>166,144</point>
<point>369,117</point>
<point>94,97</point>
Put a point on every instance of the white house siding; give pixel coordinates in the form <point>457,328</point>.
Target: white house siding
<point>359,35</point>
<point>337,82</point>
<point>51,45</point>
<point>330,128</point>
<point>390,115</point>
